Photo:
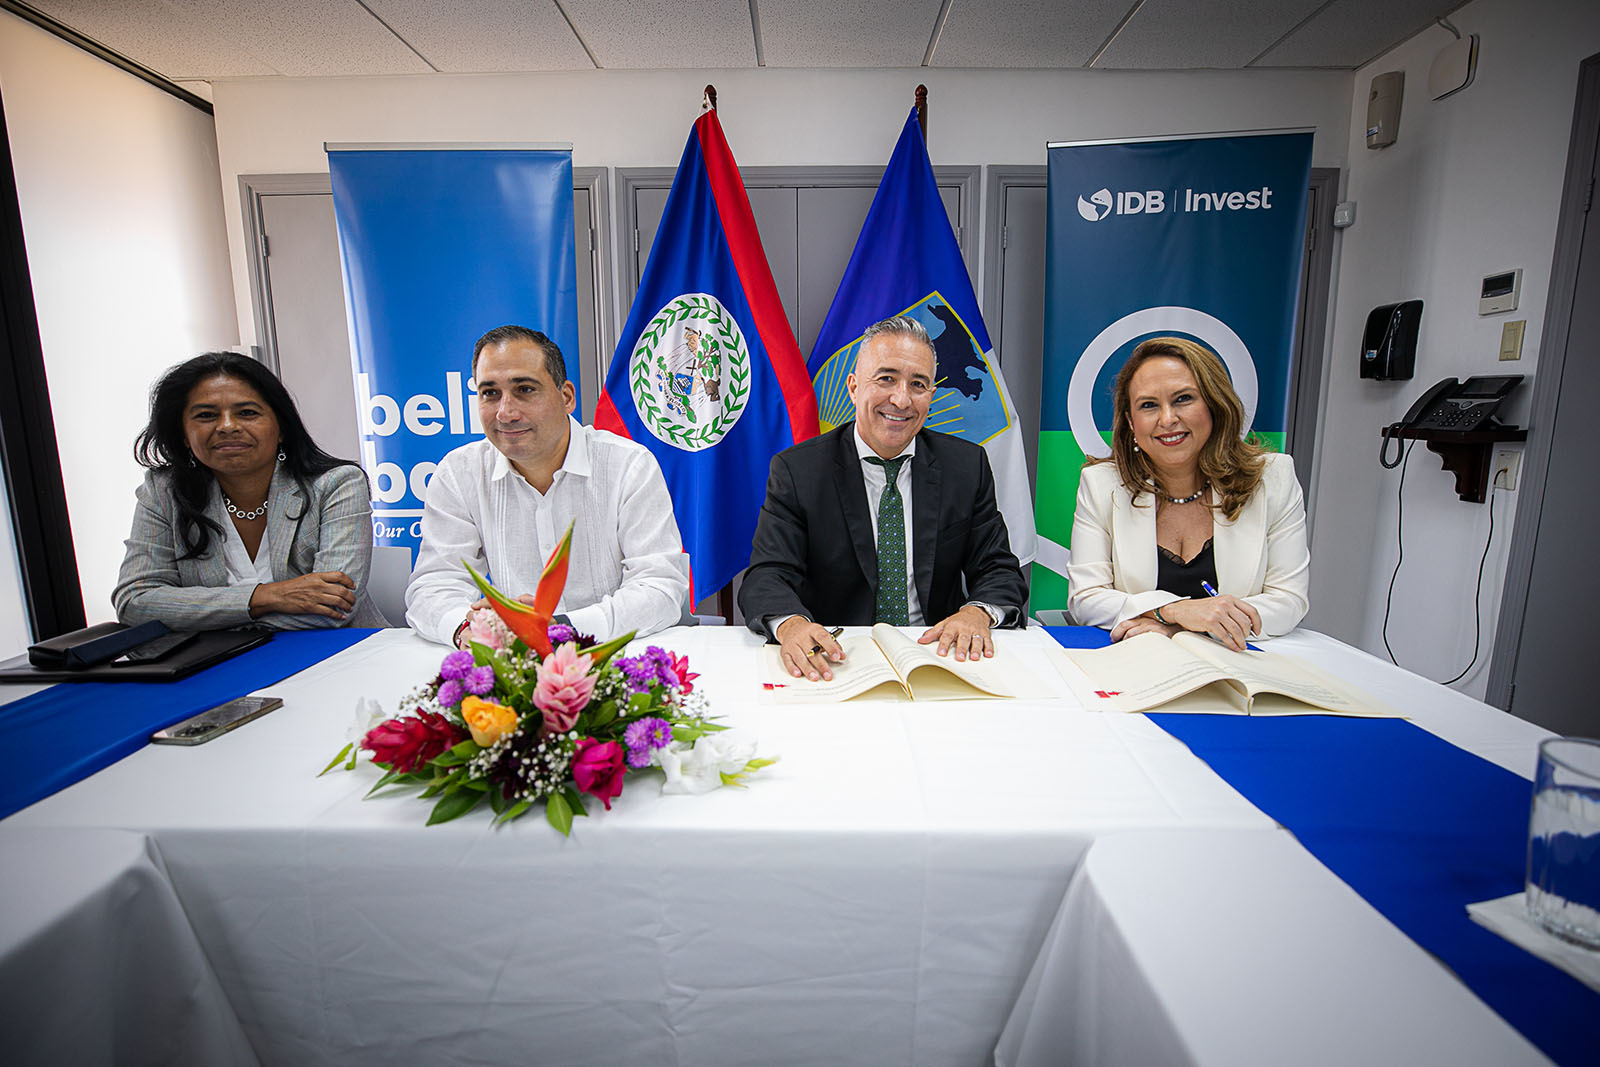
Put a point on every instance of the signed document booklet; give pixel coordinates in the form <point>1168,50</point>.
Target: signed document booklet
<point>1190,672</point>
<point>888,665</point>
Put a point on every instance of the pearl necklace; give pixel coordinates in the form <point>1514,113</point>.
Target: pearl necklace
<point>239,513</point>
<point>1190,499</point>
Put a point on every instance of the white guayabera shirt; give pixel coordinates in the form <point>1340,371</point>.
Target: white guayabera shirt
<point>625,571</point>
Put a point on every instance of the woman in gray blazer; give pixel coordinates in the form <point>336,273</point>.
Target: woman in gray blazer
<point>242,518</point>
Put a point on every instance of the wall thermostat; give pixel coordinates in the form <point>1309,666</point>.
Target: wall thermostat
<point>1500,292</point>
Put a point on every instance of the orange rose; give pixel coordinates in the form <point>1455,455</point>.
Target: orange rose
<point>488,721</point>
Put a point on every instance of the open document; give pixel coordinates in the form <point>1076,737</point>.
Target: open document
<point>1191,672</point>
<point>888,665</point>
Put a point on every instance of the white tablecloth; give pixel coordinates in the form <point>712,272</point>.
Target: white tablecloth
<point>98,963</point>
<point>876,897</point>
<point>1236,949</point>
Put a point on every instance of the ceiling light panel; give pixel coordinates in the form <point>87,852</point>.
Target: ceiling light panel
<point>1026,33</point>
<point>486,36</point>
<point>662,35</point>
<point>847,33</point>
<point>1182,35</point>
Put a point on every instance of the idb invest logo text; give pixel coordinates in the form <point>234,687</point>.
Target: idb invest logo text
<point>1098,205</point>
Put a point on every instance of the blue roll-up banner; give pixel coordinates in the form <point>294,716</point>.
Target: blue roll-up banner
<point>441,244</point>
<point>1200,237</point>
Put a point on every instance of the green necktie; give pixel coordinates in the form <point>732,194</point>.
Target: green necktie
<point>891,606</point>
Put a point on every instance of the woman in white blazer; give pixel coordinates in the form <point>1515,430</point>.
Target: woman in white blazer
<point>242,518</point>
<point>1183,503</point>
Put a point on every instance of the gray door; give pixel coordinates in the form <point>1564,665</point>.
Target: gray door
<point>1020,340</point>
<point>1549,685</point>
<point>309,330</point>
<point>808,222</point>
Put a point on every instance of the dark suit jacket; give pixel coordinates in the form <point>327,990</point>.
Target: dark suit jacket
<point>813,553</point>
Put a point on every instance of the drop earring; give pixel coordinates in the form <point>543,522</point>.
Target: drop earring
<point>281,456</point>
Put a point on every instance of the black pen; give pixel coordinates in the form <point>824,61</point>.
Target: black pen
<point>833,633</point>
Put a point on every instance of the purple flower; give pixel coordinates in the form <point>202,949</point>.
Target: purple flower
<point>478,681</point>
<point>651,667</point>
<point>450,693</point>
<point>560,633</point>
<point>644,735</point>
<point>455,666</point>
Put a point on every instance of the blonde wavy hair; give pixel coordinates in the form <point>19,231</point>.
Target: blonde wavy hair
<point>1231,462</point>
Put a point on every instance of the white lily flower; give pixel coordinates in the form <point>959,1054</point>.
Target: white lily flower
<point>700,769</point>
<point>369,713</point>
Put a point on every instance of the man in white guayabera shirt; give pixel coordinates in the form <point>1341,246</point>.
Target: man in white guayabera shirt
<point>502,503</point>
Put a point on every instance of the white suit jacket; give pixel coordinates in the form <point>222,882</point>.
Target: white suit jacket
<point>1261,556</point>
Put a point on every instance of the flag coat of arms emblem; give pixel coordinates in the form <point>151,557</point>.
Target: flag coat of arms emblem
<point>907,262</point>
<point>707,374</point>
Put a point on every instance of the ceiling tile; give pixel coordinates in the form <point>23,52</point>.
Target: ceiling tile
<point>1026,33</point>
<point>846,33</point>
<point>307,38</point>
<point>663,34</point>
<point>1218,34</point>
<point>170,41</point>
<point>481,36</point>
<point>1350,33</point>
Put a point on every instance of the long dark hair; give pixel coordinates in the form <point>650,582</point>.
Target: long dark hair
<point>162,445</point>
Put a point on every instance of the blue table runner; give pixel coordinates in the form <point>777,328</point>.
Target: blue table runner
<point>65,733</point>
<point>1418,827</point>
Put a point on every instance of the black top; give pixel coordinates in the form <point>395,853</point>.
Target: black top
<point>1176,576</point>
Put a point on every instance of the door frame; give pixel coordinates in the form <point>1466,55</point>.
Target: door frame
<point>1576,197</point>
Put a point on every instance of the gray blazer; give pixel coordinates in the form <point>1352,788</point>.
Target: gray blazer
<point>332,531</point>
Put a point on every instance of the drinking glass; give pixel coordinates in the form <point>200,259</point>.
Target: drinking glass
<point>1563,887</point>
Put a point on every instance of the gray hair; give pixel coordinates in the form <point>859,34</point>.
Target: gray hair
<point>899,326</point>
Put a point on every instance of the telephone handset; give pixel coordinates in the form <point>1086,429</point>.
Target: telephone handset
<point>1453,405</point>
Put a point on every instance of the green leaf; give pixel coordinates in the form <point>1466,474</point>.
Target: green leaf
<point>559,813</point>
<point>453,805</point>
<point>602,653</point>
<point>605,714</point>
<point>514,811</point>
<point>757,764</point>
<point>343,752</point>
<point>575,800</point>
<point>388,779</point>
<point>497,800</point>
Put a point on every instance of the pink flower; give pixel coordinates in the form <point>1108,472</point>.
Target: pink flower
<point>686,677</point>
<point>485,627</point>
<point>597,769</point>
<point>564,687</point>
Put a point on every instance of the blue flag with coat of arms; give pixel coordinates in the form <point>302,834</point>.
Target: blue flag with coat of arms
<point>907,262</point>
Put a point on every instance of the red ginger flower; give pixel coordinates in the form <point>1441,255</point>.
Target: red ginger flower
<point>407,744</point>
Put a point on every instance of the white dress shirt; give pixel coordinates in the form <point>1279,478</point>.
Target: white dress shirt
<point>876,478</point>
<point>242,570</point>
<point>626,572</point>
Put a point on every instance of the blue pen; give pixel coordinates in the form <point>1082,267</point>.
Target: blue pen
<point>1211,590</point>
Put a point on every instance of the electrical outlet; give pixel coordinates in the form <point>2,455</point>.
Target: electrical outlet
<point>1507,461</point>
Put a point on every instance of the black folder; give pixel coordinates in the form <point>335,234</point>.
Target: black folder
<point>194,653</point>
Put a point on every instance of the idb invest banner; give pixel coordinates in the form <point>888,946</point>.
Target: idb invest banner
<point>1197,237</point>
<point>439,246</point>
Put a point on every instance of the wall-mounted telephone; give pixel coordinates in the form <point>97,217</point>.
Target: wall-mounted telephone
<point>1453,406</point>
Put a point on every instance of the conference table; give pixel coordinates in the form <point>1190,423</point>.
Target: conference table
<point>893,890</point>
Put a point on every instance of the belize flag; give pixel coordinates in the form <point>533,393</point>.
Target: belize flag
<point>907,262</point>
<point>707,374</point>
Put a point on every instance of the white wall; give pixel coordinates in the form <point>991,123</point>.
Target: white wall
<point>124,229</point>
<point>772,117</point>
<point>1471,187</point>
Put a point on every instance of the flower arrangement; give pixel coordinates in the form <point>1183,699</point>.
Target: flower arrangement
<point>533,712</point>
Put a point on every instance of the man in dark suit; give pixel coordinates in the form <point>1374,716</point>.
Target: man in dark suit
<point>882,497</point>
